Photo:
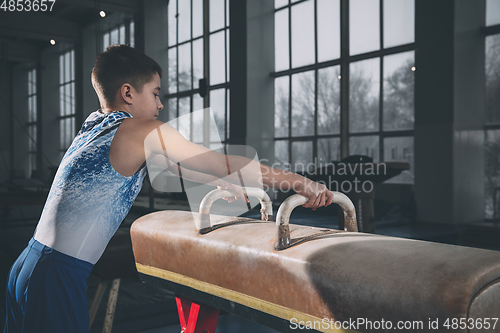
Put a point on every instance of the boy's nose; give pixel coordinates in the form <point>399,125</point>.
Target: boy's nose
<point>160,107</point>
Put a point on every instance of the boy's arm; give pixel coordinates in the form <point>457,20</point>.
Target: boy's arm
<point>198,177</point>
<point>161,138</point>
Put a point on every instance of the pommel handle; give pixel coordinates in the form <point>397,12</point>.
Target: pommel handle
<point>265,203</point>
<point>283,239</point>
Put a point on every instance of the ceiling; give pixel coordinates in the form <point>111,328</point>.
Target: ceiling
<point>23,35</point>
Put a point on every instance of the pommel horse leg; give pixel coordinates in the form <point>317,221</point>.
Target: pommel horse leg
<point>200,318</point>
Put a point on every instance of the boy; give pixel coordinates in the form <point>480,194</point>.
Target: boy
<point>96,183</point>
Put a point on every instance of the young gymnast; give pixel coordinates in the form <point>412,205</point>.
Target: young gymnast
<point>97,181</point>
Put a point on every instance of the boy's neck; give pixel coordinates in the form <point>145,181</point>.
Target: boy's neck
<point>107,109</point>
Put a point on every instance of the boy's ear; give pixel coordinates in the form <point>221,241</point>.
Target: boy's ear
<point>126,93</point>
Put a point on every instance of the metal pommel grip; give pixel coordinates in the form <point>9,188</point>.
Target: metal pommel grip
<point>283,238</point>
<point>205,223</point>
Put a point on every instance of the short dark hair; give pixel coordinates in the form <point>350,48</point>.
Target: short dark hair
<point>121,64</point>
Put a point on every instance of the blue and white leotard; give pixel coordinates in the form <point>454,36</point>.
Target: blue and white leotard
<point>88,199</point>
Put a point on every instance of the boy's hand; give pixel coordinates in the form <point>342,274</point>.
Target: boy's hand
<point>318,194</point>
<point>223,185</point>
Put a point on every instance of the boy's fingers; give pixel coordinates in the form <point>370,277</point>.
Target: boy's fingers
<point>330,198</point>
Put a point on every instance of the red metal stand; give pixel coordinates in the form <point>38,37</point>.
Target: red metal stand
<point>200,318</point>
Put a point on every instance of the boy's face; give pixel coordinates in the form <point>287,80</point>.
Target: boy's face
<point>147,104</point>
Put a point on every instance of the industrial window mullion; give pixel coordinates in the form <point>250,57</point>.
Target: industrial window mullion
<point>381,80</point>
<point>177,56</point>
<point>344,75</point>
<point>316,74</point>
<point>289,83</point>
<point>206,69</point>
<point>226,71</point>
<point>349,59</point>
<point>191,100</point>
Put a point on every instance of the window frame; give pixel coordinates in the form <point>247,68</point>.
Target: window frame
<point>344,62</point>
<point>192,91</point>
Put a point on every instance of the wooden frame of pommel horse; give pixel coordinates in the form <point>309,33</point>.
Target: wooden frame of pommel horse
<point>197,317</point>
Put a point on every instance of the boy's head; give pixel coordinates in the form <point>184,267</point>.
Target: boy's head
<point>118,65</point>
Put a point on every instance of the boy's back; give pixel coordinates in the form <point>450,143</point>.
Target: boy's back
<point>88,199</point>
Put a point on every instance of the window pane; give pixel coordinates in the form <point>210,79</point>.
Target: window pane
<point>132,34</point>
<point>172,23</point>
<point>492,12</point>
<point>328,29</point>
<point>364,27</point>
<point>281,103</point>
<point>281,54</point>
<point>122,34</point>
<point>492,79</point>
<point>185,122</point>
<point>34,109</point>
<point>197,62</point>
<point>72,66</point>
<point>105,41</point>
<point>492,173</point>
<point>61,134</point>
<point>114,37</point>
<point>228,114</point>
<point>216,15</point>
<point>198,120</point>
<point>197,18</point>
<point>303,104</point>
<point>227,55</point>
<point>172,70</point>
<point>172,112</point>
<point>67,99</point>
<point>399,22</point>
<point>302,156</point>
<point>61,100</point>
<point>400,150</point>
<point>303,34</point>
<point>218,104</point>
<point>217,61</point>
<point>30,83</point>
<point>364,92</point>
<point>399,87</point>
<point>68,133</point>
<point>33,81</point>
<point>72,100</point>
<point>280,3</point>
<point>184,20</point>
<point>67,67</point>
<point>365,145</point>
<point>61,69</point>
<point>281,154</point>
<point>328,150</point>
<point>329,100</point>
<point>185,67</point>
<point>227,13</point>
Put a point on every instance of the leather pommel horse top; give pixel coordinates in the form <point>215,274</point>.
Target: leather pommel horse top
<point>338,275</point>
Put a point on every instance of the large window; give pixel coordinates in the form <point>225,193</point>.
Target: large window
<point>32,124</point>
<point>67,99</point>
<point>198,51</point>
<point>122,34</point>
<point>492,126</point>
<point>344,91</point>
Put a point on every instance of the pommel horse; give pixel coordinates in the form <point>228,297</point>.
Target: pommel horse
<point>280,274</point>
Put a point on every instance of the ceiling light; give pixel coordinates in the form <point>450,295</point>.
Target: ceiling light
<point>102,13</point>
<point>413,68</point>
<point>52,42</point>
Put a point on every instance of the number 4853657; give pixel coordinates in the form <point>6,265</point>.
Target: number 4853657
<point>27,5</point>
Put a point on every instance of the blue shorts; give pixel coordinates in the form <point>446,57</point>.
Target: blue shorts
<point>47,292</point>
